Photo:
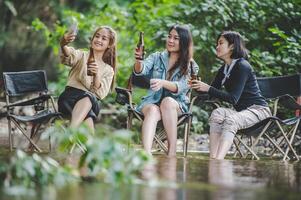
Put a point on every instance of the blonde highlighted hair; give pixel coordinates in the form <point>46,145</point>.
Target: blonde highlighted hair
<point>109,56</point>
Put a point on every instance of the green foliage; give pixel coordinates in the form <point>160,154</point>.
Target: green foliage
<point>106,154</point>
<point>252,19</point>
<point>200,121</point>
<point>31,171</point>
<point>288,49</point>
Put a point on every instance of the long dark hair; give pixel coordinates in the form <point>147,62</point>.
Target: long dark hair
<point>235,39</point>
<point>109,56</point>
<point>185,52</point>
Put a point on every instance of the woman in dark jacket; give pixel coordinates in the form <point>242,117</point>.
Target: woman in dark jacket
<point>241,90</point>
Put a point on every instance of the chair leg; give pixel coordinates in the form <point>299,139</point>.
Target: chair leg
<point>237,149</point>
<point>254,143</point>
<point>10,137</point>
<point>251,142</point>
<point>260,135</point>
<point>185,140</point>
<point>186,134</point>
<point>248,148</point>
<point>159,136</point>
<point>33,133</point>
<point>129,121</point>
<point>274,143</point>
<point>28,138</point>
<point>275,149</point>
<point>288,142</point>
<point>291,141</point>
<point>50,149</point>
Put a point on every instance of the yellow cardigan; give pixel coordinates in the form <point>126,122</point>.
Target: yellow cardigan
<point>78,77</point>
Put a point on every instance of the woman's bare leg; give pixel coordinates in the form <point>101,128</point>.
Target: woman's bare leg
<point>223,148</point>
<point>90,123</point>
<point>169,110</point>
<point>80,111</point>
<point>214,141</point>
<point>151,117</point>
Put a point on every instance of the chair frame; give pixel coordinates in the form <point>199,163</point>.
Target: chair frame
<point>45,114</point>
<point>271,123</point>
<point>185,118</point>
<point>283,96</point>
<point>280,96</point>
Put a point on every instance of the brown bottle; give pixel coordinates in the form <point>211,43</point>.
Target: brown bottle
<point>193,75</point>
<point>140,45</point>
<point>90,60</point>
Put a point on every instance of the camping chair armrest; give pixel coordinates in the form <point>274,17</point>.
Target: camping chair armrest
<point>124,96</point>
<point>29,102</point>
<point>213,103</point>
<point>203,98</point>
<point>289,102</point>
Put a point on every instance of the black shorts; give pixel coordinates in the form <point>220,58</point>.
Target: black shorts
<point>71,96</point>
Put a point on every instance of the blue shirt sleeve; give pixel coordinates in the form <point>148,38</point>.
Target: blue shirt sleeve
<point>147,64</point>
<point>182,83</point>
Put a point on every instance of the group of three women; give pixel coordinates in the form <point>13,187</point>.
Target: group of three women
<point>170,72</point>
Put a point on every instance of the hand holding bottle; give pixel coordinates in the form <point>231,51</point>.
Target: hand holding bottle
<point>192,78</point>
<point>91,64</point>
<point>92,69</point>
<point>199,86</point>
<point>139,51</point>
<point>139,54</point>
<point>193,75</point>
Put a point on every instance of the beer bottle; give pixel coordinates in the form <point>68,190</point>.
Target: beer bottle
<point>140,45</point>
<point>90,60</point>
<point>194,76</point>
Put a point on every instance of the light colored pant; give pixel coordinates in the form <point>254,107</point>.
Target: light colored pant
<point>227,121</point>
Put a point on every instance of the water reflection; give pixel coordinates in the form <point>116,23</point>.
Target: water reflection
<point>165,173</point>
<point>195,177</point>
<point>220,173</point>
<point>168,172</point>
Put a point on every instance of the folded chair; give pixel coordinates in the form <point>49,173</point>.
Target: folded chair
<point>282,92</point>
<point>124,97</point>
<point>28,89</point>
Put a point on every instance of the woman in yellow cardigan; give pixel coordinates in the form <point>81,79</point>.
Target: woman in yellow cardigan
<point>90,78</point>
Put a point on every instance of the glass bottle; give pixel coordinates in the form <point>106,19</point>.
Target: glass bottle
<point>193,75</point>
<point>90,60</point>
<point>140,45</point>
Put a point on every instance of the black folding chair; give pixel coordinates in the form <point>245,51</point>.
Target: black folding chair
<point>28,89</point>
<point>281,91</point>
<point>124,97</point>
